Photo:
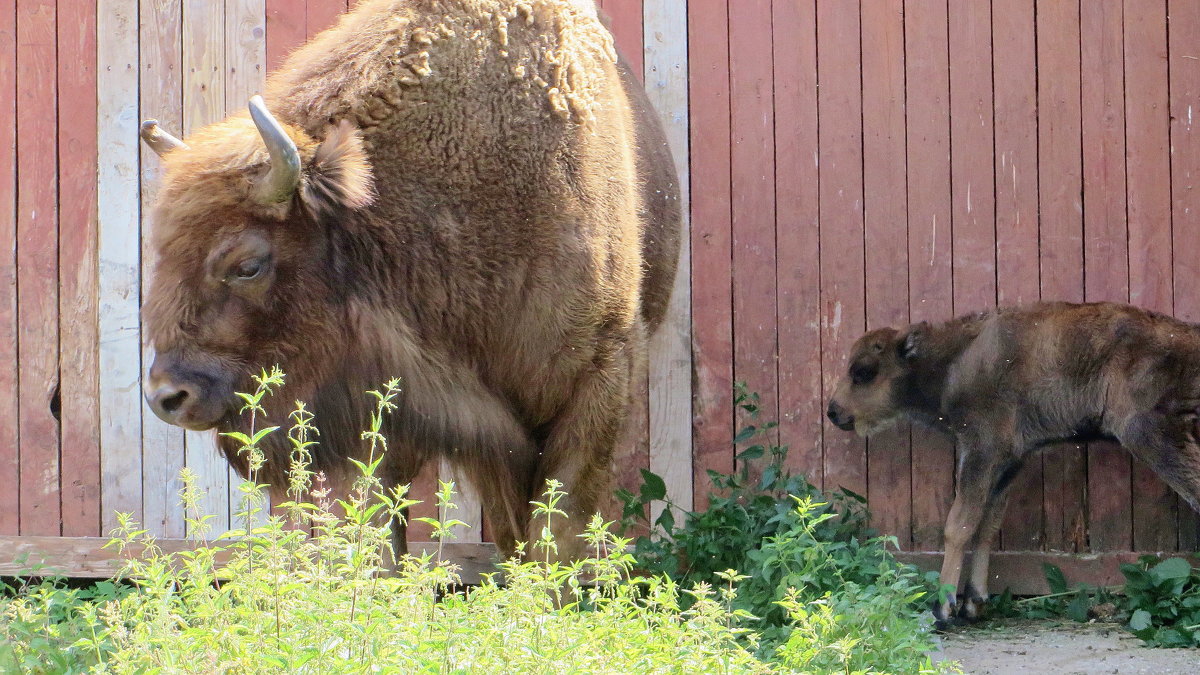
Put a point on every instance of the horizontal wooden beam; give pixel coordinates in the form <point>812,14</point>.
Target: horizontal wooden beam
<point>1022,571</point>
<point>86,557</point>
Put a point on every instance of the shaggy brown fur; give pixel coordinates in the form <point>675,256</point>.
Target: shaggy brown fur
<point>1012,381</point>
<point>487,210</point>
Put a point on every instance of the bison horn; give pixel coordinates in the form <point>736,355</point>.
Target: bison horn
<point>284,177</point>
<point>159,141</point>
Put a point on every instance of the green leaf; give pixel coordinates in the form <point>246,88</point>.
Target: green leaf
<point>1140,620</point>
<point>1055,578</point>
<point>1078,609</point>
<point>653,487</point>
<point>1172,568</point>
<point>752,452</point>
<point>745,434</point>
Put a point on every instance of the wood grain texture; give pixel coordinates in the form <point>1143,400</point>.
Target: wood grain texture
<point>37,267</point>
<point>78,351</point>
<point>930,286</point>
<point>1106,242</point>
<point>1061,254</point>
<point>752,171</point>
<point>626,25</point>
<point>1148,171</point>
<point>711,242</point>
<point>321,14</point>
<point>1014,87</point>
<point>670,356</point>
<point>117,210</point>
<point>160,93</point>
<point>797,236</point>
<point>286,29</point>
<point>1184,80</point>
<point>204,40</point>
<point>9,408</point>
<point>885,241</point>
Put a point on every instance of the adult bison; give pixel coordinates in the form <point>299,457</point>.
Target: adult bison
<point>471,195</point>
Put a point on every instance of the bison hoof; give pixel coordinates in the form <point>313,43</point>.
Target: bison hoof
<point>945,615</point>
<point>971,608</point>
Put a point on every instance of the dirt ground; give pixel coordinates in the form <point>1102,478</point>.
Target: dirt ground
<point>1022,647</point>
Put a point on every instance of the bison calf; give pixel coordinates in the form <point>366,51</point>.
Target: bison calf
<point>1009,382</point>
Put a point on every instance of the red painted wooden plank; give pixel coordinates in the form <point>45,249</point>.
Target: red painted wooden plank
<point>839,104</point>
<point>1061,253</point>
<point>9,413</point>
<point>712,248</point>
<point>973,200</point>
<point>1106,243</point>
<point>286,29</point>
<point>885,215</point>
<point>1014,82</point>
<point>78,360</point>
<point>1148,169</point>
<point>322,14</point>
<point>797,234</point>
<point>626,25</point>
<point>37,267</point>
<point>929,244</point>
<point>1184,77</point>
<point>752,163</point>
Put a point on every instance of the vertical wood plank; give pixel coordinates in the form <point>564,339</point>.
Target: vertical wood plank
<point>117,189</point>
<point>626,19</point>
<point>9,412</point>
<point>1014,75</point>
<point>929,244</point>
<point>797,234</point>
<point>711,242</point>
<point>37,267</point>
<point>245,74</point>
<point>1106,250</point>
<point>885,211</point>
<point>204,103</point>
<point>972,178</point>
<point>160,52</point>
<point>80,420</point>
<point>670,359</point>
<point>466,498</point>
<point>1184,83</point>
<point>843,315</point>
<point>286,29</point>
<point>752,163</point>
<point>1148,170</point>
<point>321,14</point>
<point>1061,252</point>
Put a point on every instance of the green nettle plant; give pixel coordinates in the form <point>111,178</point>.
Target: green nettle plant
<point>818,589</point>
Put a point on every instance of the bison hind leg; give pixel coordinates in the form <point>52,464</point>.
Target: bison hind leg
<point>1168,443</point>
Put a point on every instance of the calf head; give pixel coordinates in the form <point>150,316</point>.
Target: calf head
<point>870,394</point>
<point>244,274</point>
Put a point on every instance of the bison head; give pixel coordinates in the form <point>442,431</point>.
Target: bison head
<point>246,272</point>
<point>870,395</point>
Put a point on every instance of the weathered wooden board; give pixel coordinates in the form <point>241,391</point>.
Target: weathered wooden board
<point>10,465</point>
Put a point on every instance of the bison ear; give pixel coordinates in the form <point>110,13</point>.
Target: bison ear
<point>339,175</point>
<point>911,344</point>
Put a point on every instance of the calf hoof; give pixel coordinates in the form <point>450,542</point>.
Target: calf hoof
<point>945,615</point>
<point>971,608</point>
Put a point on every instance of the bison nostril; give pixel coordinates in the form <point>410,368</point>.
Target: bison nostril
<point>174,402</point>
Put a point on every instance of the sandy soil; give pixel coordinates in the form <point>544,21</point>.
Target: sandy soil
<point>1021,647</point>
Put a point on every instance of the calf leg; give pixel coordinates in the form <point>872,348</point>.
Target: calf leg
<point>976,593</point>
<point>980,470</point>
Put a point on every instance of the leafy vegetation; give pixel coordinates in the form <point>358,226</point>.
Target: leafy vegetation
<point>1159,602</point>
<point>285,598</point>
<point>812,580</point>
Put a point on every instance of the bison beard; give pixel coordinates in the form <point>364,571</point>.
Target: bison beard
<point>473,196</point>
<point>1012,381</point>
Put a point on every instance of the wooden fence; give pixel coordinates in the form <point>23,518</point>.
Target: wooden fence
<point>851,165</point>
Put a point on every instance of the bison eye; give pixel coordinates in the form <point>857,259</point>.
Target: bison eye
<point>249,269</point>
<point>863,373</point>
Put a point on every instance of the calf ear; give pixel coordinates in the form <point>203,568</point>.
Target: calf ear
<point>339,175</point>
<point>911,344</point>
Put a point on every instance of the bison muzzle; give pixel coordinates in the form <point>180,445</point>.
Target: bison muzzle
<point>473,196</point>
<point>1009,382</point>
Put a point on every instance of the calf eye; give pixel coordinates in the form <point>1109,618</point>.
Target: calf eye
<point>249,269</point>
<point>862,374</point>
